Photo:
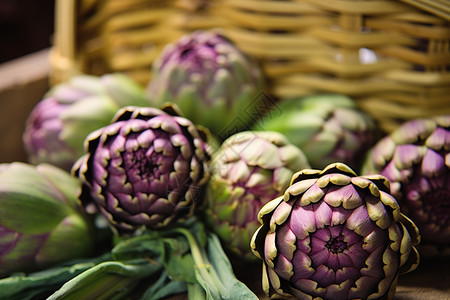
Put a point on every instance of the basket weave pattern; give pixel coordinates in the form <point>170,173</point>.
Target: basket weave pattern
<point>391,57</point>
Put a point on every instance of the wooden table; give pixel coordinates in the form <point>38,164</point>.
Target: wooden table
<point>430,281</point>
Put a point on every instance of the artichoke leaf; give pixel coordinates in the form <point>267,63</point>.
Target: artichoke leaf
<point>107,280</point>
<point>124,91</point>
<point>221,263</point>
<point>19,286</point>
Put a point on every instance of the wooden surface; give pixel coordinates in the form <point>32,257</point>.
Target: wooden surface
<point>23,82</point>
<point>430,281</point>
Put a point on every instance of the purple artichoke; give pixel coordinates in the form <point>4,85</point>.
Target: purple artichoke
<point>416,160</point>
<point>250,169</point>
<point>42,136</point>
<point>144,169</point>
<point>334,235</point>
<point>205,70</point>
<point>327,128</point>
<point>41,220</point>
<point>58,124</point>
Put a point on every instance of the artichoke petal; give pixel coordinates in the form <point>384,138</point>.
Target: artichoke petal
<point>414,159</point>
<point>147,168</point>
<point>41,221</point>
<point>69,112</point>
<point>204,69</point>
<point>347,240</point>
<point>259,165</point>
<point>328,128</point>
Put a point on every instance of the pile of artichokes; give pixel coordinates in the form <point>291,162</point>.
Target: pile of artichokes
<point>137,192</point>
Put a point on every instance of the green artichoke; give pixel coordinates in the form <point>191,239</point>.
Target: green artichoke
<point>328,128</point>
<point>416,160</point>
<point>335,235</point>
<point>41,220</point>
<point>146,168</point>
<point>59,123</point>
<point>210,79</point>
<point>249,169</point>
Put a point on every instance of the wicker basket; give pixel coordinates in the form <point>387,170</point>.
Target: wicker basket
<point>392,56</point>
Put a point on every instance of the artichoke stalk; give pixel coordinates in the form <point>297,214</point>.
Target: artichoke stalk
<point>416,160</point>
<point>328,128</point>
<point>250,169</point>
<point>146,168</point>
<point>212,82</point>
<point>59,123</point>
<point>335,235</point>
<point>41,220</point>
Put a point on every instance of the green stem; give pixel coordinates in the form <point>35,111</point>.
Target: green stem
<point>203,265</point>
<point>195,248</point>
<point>195,292</point>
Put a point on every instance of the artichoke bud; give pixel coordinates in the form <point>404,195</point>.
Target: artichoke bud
<point>335,235</point>
<point>415,159</point>
<point>205,70</point>
<point>145,169</point>
<point>248,170</point>
<point>41,220</point>
<point>59,123</point>
<point>328,128</point>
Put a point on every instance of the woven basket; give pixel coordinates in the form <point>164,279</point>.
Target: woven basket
<point>392,56</point>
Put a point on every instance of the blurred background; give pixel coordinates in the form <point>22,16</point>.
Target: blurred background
<point>26,32</point>
<point>26,26</point>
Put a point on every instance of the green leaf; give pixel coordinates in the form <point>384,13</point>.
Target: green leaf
<point>123,90</point>
<point>173,252</point>
<point>208,287</point>
<point>85,116</point>
<point>164,287</point>
<point>324,143</point>
<point>26,179</point>
<point>107,280</point>
<point>93,109</point>
<point>146,246</point>
<point>29,213</point>
<point>63,182</point>
<point>221,263</point>
<point>44,282</point>
<point>71,238</point>
<point>199,231</point>
<point>180,266</point>
<point>188,100</point>
<point>297,126</point>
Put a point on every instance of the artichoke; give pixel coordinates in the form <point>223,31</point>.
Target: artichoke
<point>416,160</point>
<point>250,169</point>
<point>328,128</point>
<point>212,82</point>
<point>144,169</point>
<point>41,220</point>
<point>334,235</point>
<point>59,123</point>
